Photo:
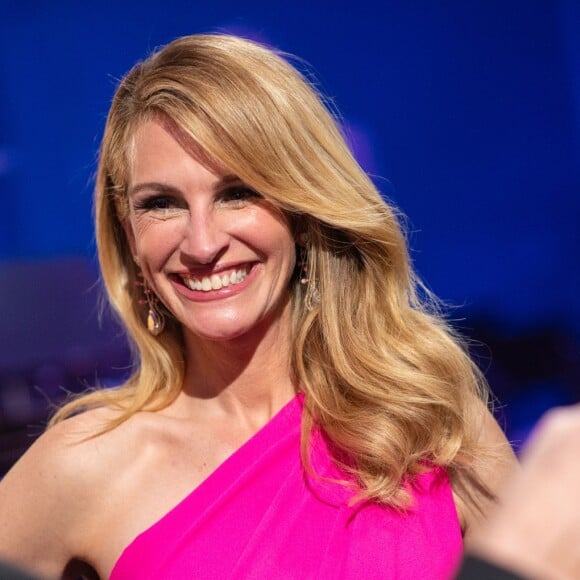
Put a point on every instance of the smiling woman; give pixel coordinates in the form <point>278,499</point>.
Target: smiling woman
<point>202,238</point>
<point>292,399</point>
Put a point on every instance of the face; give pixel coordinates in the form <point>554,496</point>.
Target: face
<point>217,254</point>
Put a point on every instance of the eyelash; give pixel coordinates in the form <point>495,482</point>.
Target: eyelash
<point>153,203</point>
<point>239,194</point>
<point>236,196</point>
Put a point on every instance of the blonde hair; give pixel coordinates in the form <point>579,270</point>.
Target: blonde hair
<point>385,379</point>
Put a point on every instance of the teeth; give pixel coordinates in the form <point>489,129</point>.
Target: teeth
<point>216,281</point>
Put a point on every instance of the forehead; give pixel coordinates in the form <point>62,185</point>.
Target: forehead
<point>161,161</point>
<point>158,141</point>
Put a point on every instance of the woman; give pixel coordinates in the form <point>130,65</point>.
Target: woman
<point>296,410</point>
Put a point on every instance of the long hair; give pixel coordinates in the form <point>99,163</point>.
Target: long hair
<point>386,380</point>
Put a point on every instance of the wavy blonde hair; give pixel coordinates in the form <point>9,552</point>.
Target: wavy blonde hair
<point>386,380</point>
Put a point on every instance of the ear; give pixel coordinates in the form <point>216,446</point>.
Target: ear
<point>299,227</point>
<point>302,239</point>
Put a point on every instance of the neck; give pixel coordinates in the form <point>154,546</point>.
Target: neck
<point>247,375</point>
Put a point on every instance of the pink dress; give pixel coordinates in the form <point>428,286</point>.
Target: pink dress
<point>258,515</point>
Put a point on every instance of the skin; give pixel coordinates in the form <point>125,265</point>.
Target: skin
<point>535,529</point>
<point>185,220</point>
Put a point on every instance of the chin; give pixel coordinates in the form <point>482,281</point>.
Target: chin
<point>223,332</point>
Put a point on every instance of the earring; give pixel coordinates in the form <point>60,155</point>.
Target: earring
<point>155,318</point>
<point>307,276</point>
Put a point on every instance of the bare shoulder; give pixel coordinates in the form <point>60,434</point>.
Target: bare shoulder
<point>53,490</point>
<point>475,495</point>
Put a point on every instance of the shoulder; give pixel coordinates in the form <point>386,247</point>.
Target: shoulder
<point>55,489</point>
<point>62,457</point>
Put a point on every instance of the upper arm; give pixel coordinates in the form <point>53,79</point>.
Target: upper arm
<point>40,505</point>
<point>475,494</point>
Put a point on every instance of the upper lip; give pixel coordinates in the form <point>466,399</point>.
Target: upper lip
<point>200,272</point>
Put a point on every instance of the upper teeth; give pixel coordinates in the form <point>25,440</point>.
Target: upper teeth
<point>216,281</point>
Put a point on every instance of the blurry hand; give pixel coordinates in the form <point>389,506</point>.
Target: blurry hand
<point>536,528</point>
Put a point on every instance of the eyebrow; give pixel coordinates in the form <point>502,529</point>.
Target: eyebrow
<point>227,180</point>
<point>153,186</point>
<point>164,188</point>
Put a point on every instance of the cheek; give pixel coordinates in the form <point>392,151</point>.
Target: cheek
<point>277,244</point>
<point>291,257</point>
<point>153,238</point>
<point>286,258</point>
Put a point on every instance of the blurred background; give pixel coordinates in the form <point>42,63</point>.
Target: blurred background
<point>466,114</point>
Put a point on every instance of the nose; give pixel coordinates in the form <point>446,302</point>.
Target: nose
<point>205,237</point>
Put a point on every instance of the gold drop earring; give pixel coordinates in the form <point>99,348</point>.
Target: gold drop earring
<point>155,318</point>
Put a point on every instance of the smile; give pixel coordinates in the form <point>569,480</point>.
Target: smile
<point>216,281</point>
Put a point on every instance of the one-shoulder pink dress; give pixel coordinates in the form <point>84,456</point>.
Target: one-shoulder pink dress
<point>260,516</point>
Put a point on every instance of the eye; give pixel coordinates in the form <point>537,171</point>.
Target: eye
<point>161,203</point>
<point>239,195</point>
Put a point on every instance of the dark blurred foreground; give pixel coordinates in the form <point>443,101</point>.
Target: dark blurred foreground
<point>54,343</point>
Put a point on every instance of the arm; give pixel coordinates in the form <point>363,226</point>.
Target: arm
<point>42,501</point>
<point>475,497</point>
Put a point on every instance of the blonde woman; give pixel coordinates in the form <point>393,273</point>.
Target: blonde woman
<point>296,411</point>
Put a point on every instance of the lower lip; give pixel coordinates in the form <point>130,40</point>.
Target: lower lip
<point>227,292</point>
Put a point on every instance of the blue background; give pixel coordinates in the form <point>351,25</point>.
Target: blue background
<point>467,114</point>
